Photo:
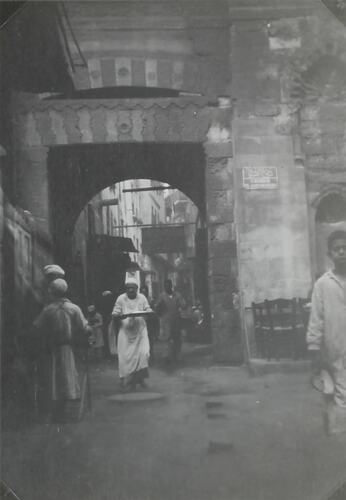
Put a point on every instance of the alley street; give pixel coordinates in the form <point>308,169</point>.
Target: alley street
<point>173,172</point>
<point>217,434</point>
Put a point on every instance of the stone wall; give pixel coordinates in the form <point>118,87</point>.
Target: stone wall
<point>323,128</point>
<point>288,86</point>
<point>152,44</point>
<point>289,118</point>
<point>272,224</point>
<point>32,188</point>
<point>223,276</point>
<point>271,219</point>
<point>1,248</point>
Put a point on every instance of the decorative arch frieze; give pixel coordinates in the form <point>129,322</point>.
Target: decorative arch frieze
<point>55,122</point>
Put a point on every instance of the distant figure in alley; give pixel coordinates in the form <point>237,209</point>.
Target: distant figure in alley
<point>152,323</point>
<point>133,342</point>
<point>52,272</point>
<point>61,327</point>
<point>106,304</point>
<point>95,323</point>
<point>168,308</point>
<point>326,335</point>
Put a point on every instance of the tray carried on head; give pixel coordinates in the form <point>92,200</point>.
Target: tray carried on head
<point>135,314</point>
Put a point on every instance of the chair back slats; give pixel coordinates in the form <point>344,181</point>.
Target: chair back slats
<point>260,315</point>
<point>280,326</point>
<point>282,313</point>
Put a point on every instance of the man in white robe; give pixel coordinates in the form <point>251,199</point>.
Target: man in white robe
<point>133,342</point>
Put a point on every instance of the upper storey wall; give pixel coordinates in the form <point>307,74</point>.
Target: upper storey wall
<point>183,46</point>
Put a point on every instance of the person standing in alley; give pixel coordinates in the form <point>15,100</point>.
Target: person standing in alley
<point>61,326</point>
<point>133,342</point>
<point>95,323</point>
<point>151,323</point>
<point>52,272</point>
<point>105,307</point>
<point>168,308</point>
<point>326,336</point>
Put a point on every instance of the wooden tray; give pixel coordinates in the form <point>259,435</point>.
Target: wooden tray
<point>136,314</point>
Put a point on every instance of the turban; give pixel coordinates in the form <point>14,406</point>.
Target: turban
<point>53,269</point>
<point>131,281</point>
<point>58,286</point>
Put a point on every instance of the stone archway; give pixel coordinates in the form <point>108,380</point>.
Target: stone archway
<point>88,169</point>
<point>47,129</point>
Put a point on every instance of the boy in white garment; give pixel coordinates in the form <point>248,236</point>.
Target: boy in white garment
<point>326,336</point>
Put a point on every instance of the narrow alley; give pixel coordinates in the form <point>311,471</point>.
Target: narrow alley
<point>173,249</point>
<point>216,433</point>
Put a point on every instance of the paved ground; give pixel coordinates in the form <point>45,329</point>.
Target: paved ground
<point>217,434</point>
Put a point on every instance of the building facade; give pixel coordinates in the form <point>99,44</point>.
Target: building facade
<point>240,105</point>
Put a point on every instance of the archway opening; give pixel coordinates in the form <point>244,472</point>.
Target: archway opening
<point>89,185</point>
<point>330,216</point>
<point>140,226</point>
<point>78,172</point>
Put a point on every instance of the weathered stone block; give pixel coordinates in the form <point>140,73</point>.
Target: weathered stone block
<point>31,155</point>
<point>254,126</point>
<point>310,113</point>
<point>264,145</point>
<point>312,147</point>
<point>218,181</point>
<point>218,150</point>
<point>32,183</point>
<point>227,345</point>
<point>221,248</point>
<point>71,124</point>
<point>266,109</point>
<point>220,265</point>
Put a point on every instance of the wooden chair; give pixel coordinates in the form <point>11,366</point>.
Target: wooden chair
<point>262,328</point>
<point>286,327</point>
<point>279,328</point>
<point>304,306</point>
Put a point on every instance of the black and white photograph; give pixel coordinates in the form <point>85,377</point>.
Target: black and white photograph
<point>173,250</point>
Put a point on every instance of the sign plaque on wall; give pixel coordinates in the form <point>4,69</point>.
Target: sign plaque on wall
<point>260,178</point>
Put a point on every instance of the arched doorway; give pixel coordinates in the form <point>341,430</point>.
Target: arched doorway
<point>151,230</point>
<point>72,149</point>
<point>78,172</point>
<point>144,225</point>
